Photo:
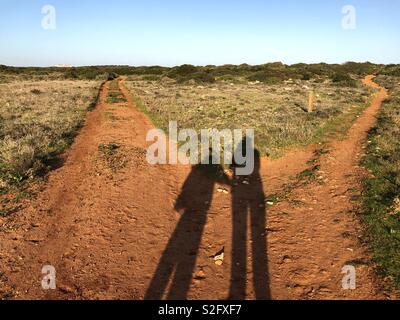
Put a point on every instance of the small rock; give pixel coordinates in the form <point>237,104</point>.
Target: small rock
<point>200,275</point>
<point>223,190</point>
<point>219,257</point>
<point>219,262</point>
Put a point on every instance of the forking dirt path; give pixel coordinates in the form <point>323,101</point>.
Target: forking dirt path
<point>104,223</point>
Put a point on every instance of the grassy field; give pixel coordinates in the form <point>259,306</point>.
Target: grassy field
<point>277,112</point>
<point>382,190</point>
<point>38,121</point>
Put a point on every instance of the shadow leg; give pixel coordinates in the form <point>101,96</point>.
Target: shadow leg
<point>239,252</point>
<point>259,250</point>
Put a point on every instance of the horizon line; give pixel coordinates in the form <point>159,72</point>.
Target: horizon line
<point>67,65</point>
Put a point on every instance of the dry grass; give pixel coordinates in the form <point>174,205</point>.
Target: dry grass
<point>278,113</point>
<point>38,120</point>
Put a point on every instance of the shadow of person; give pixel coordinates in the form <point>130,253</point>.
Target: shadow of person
<point>248,200</point>
<point>179,258</point>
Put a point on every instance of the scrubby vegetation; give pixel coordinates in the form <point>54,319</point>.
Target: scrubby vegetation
<point>39,120</point>
<point>390,70</point>
<point>270,73</point>
<point>382,190</point>
<point>344,80</point>
<point>278,112</point>
<point>273,73</point>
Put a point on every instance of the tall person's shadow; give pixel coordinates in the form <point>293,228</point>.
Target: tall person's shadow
<point>179,258</point>
<point>248,200</point>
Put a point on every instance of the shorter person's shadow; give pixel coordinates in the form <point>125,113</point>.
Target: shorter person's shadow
<point>179,258</point>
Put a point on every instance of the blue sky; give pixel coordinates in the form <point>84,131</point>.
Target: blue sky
<point>174,32</point>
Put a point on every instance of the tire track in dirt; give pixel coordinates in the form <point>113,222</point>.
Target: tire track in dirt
<point>104,223</point>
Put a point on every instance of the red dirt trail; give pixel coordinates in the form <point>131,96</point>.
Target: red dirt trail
<point>123,229</point>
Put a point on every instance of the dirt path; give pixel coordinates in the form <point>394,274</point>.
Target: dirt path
<point>319,226</point>
<point>106,222</point>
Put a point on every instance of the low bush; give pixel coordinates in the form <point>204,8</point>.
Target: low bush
<point>344,80</point>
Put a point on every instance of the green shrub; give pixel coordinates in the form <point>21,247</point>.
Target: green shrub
<point>203,77</point>
<point>154,70</point>
<point>361,69</point>
<point>344,80</point>
<point>188,72</point>
<point>263,76</point>
<point>112,76</point>
<point>151,77</point>
<point>306,76</point>
<point>71,74</point>
<point>182,71</point>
